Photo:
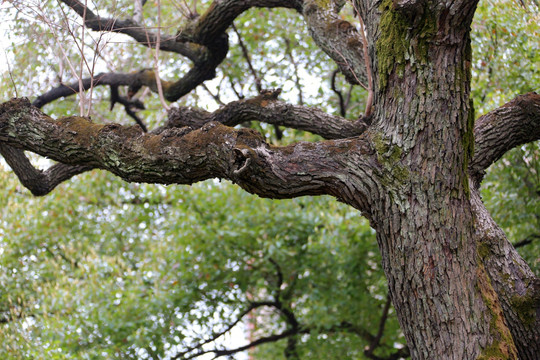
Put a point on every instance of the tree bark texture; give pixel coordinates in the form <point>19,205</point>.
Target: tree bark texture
<point>459,288</point>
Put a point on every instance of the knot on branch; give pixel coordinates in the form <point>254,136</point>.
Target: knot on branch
<point>187,116</point>
<point>241,161</point>
<point>527,102</point>
<point>265,97</point>
<point>409,7</point>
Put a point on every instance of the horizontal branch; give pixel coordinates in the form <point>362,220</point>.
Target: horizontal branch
<point>111,79</point>
<point>266,108</point>
<point>185,156</point>
<point>172,90</point>
<point>513,124</point>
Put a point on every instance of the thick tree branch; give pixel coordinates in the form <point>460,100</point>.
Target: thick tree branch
<point>517,287</point>
<point>112,79</point>
<point>221,14</point>
<point>266,108</point>
<point>205,69</point>
<point>136,31</point>
<point>205,59</point>
<point>37,181</point>
<point>337,38</point>
<point>183,156</point>
<point>146,77</point>
<point>513,124</point>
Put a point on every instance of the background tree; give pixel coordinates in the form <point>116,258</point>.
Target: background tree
<point>410,168</point>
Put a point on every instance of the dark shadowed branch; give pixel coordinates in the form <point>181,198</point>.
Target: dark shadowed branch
<point>515,123</point>
<point>37,181</point>
<point>136,31</point>
<point>266,108</point>
<point>528,240</point>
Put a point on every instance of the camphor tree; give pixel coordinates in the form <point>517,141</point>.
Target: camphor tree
<point>412,163</point>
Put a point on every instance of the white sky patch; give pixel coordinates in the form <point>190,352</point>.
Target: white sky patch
<point>5,13</point>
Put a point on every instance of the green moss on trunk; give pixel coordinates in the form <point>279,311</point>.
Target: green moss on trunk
<point>403,40</point>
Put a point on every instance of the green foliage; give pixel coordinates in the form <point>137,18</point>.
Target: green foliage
<point>101,268</point>
<point>506,52</point>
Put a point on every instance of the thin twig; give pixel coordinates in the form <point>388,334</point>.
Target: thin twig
<point>342,107</point>
<point>156,61</point>
<point>369,101</point>
<point>245,53</point>
<point>296,76</point>
<point>11,76</point>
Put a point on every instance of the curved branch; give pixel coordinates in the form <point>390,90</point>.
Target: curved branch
<point>217,335</point>
<point>205,59</point>
<point>266,108</point>
<point>135,31</point>
<point>111,79</point>
<point>39,182</point>
<point>260,341</point>
<point>221,14</point>
<point>517,287</point>
<point>337,38</point>
<point>183,156</point>
<point>513,124</point>
<point>146,77</point>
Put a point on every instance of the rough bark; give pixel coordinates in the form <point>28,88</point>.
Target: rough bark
<point>266,108</point>
<point>514,124</point>
<point>517,287</point>
<point>337,38</point>
<point>424,219</point>
<point>185,156</point>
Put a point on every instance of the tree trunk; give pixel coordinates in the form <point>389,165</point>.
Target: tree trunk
<point>423,137</point>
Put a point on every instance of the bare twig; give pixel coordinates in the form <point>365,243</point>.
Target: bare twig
<point>81,63</point>
<point>11,76</point>
<point>245,53</point>
<point>156,61</point>
<point>369,73</point>
<point>214,96</point>
<point>342,106</point>
<point>296,76</point>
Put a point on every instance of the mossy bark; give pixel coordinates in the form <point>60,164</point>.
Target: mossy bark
<point>425,225</point>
